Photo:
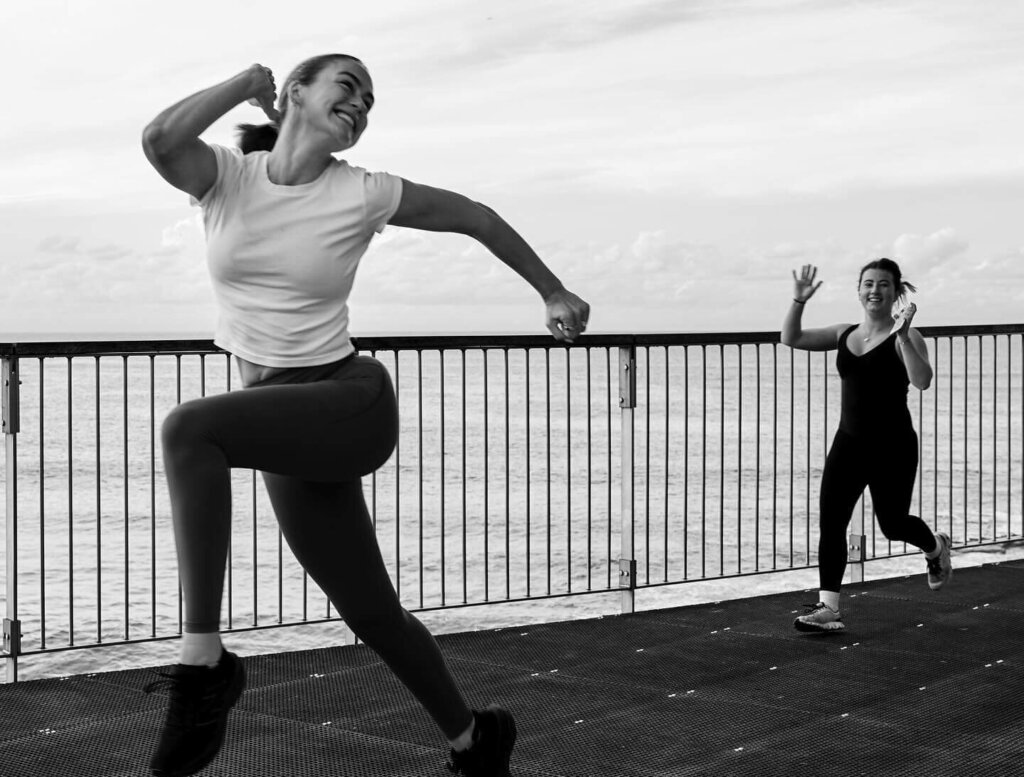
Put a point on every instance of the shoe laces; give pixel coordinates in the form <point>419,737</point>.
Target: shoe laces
<point>190,697</point>
<point>934,565</point>
<point>813,608</point>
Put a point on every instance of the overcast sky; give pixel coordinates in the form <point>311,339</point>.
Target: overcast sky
<point>671,160</point>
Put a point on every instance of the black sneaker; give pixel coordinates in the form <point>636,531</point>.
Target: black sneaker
<point>493,740</point>
<point>197,714</point>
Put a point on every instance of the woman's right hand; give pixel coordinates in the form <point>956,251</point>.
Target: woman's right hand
<point>262,90</point>
<point>804,285</point>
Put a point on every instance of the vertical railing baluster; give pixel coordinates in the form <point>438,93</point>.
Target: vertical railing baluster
<point>487,489</point>
<point>42,504</point>
<point>398,484</point>
<point>792,451</point>
<point>442,535</point>
<point>774,458</point>
<point>703,461</point>
<point>739,458</point>
<point>721,459</point>
<point>950,439</point>
<point>647,464</point>
<point>465,590</point>
<point>547,451</point>
<point>627,403</point>
<point>981,435</point>
<point>10,411</point>
<point>152,496</point>
<point>568,469</point>
<point>935,438</point>
<point>995,435</point>
<point>127,538</point>
<point>508,480</point>
<point>609,478</point>
<point>529,504</point>
<point>807,464</point>
<point>419,463</point>
<point>668,416</point>
<point>177,400</point>
<point>757,459</point>
<point>1009,434</point>
<point>966,440</point>
<point>99,514</point>
<point>71,512</point>
<point>686,462</point>
<point>590,472</point>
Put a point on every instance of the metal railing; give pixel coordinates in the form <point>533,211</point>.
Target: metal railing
<point>525,470</point>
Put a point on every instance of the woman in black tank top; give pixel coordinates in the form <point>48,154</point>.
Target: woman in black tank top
<point>875,446</point>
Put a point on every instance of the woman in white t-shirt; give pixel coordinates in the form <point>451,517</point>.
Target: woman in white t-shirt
<point>286,225</point>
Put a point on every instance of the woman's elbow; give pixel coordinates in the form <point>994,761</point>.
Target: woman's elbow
<point>483,223</point>
<point>154,141</point>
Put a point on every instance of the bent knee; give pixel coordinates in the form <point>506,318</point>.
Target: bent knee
<point>184,425</point>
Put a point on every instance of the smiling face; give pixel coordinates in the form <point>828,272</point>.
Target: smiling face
<point>877,291</point>
<point>336,103</point>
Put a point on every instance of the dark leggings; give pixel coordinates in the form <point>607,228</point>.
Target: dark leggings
<point>313,433</point>
<point>888,469</point>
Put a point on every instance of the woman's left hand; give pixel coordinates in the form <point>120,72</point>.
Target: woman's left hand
<point>567,315</point>
<point>904,318</point>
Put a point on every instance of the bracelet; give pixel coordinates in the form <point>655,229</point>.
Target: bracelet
<point>799,302</point>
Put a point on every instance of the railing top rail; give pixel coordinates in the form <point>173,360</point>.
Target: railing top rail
<point>115,347</point>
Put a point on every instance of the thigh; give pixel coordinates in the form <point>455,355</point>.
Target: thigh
<point>330,430</point>
<point>892,479</point>
<point>842,481</point>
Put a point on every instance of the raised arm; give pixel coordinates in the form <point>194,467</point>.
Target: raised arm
<point>171,141</point>
<point>793,334</point>
<point>913,351</point>
<point>439,210</point>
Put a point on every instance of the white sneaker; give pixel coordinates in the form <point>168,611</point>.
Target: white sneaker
<point>940,568</point>
<point>820,617</point>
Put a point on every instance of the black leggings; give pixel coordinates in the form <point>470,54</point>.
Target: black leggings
<point>313,432</point>
<point>888,469</point>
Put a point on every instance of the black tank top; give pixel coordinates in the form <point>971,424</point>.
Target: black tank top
<point>874,389</point>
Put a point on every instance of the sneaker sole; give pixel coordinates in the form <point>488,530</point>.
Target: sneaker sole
<point>938,585</point>
<point>234,694</point>
<point>820,628</point>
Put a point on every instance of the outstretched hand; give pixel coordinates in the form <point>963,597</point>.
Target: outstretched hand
<point>567,315</point>
<point>263,91</point>
<point>804,286</point>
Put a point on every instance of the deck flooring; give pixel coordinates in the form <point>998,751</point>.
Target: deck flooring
<point>920,683</point>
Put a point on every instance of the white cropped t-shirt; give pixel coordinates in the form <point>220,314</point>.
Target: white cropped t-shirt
<point>283,258</point>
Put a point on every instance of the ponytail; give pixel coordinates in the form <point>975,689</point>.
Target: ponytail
<point>257,137</point>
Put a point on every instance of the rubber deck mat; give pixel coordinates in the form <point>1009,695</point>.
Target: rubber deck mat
<point>919,682</point>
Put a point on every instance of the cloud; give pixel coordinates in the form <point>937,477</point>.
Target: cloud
<point>926,254</point>
<point>67,267</point>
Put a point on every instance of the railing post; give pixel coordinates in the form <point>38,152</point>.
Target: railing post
<point>10,412</point>
<point>627,401</point>
<point>858,545</point>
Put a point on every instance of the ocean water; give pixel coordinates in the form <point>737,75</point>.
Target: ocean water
<point>507,484</point>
